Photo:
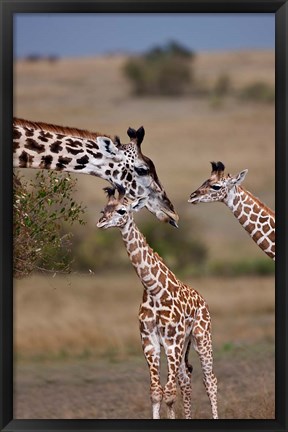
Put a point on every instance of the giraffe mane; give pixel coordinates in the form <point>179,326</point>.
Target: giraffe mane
<point>63,130</point>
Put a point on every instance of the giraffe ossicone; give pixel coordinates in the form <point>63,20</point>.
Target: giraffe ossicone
<point>255,217</point>
<point>48,146</point>
<point>172,314</point>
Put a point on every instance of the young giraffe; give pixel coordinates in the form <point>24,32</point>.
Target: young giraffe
<point>172,314</point>
<point>47,146</point>
<point>257,219</point>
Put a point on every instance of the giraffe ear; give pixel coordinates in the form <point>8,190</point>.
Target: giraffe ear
<point>238,178</point>
<point>117,140</point>
<point>107,147</point>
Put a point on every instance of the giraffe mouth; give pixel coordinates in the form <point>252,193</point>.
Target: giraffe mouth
<point>173,223</point>
<point>102,224</point>
<point>169,216</point>
<point>193,199</point>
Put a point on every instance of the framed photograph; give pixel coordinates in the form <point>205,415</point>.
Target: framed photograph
<point>178,111</point>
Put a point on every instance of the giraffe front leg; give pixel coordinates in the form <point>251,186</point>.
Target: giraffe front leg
<point>151,350</point>
<point>174,352</point>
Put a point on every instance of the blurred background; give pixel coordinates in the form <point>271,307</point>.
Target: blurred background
<point>203,88</point>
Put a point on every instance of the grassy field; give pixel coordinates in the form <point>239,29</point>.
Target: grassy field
<point>77,346</point>
<point>78,337</point>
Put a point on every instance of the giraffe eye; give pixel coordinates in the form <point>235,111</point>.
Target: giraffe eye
<point>142,171</point>
<point>216,187</point>
<point>121,212</point>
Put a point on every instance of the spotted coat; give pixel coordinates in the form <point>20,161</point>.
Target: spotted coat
<point>172,315</point>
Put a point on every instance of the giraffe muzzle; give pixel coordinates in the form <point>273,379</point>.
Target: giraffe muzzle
<point>193,199</point>
<point>173,223</point>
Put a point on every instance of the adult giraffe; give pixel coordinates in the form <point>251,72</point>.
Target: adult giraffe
<point>255,217</point>
<point>48,146</point>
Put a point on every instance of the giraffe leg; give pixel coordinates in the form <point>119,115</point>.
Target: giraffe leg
<point>203,346</point>
<point>174,352</point>
<point>184,379</point>
<point>151,349</point>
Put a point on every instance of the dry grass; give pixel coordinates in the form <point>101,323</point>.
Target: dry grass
<point>98,315</point>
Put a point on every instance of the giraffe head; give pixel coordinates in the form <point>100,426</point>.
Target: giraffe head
<point>137,174</point>
<point>118,210</point>
<point>217,186</point>
<point>46,146</point>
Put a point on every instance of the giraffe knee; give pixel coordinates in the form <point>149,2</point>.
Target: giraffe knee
<point>156,394</point>
<point>170,393</point>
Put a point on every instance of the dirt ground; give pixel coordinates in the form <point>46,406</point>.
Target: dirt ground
<point>78,352</point>
<point>120,390</point>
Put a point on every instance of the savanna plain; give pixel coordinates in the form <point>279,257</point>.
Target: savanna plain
<point>76,338</point>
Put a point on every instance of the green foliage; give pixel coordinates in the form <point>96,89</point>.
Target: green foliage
<point>252,267</point>
<point>258,92</point>
<point>181,248</point>
<point>101,251</point>
<point>164,71</point>
<point>171,49</point>
<point>104,249</point>
<point>39,209</point>
<point>222,86</point>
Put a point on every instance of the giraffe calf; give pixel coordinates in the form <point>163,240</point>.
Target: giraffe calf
<point>171,315</point>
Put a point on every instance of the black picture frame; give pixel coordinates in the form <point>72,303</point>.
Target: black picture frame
<point>7,9</point>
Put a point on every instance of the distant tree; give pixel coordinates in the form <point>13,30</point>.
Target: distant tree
<point>165,71</point>
<point>33,58</point>
<point>258,92</point>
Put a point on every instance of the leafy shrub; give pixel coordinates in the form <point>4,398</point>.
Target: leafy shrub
<point>162,71</point>
<point>101,251</point>
<point>182,252</point>
<point>259,267</point>
<point>39,208</point>
<point>258,92</point>
<point>104,250</point>
<point>222,85</point>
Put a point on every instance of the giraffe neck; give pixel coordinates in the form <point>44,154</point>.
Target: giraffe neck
<point>256,218</point>
<point>44,146</point>
<point>149,266</point>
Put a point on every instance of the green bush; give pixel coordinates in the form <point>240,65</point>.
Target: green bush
<point>162,71</point>
<point>181,248</point>
<point>39,209</point>
<point>222,86</point>
<point>104,249</point>
<point>101,251</point>
<point>258,92</point>
<point>252,267</point>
